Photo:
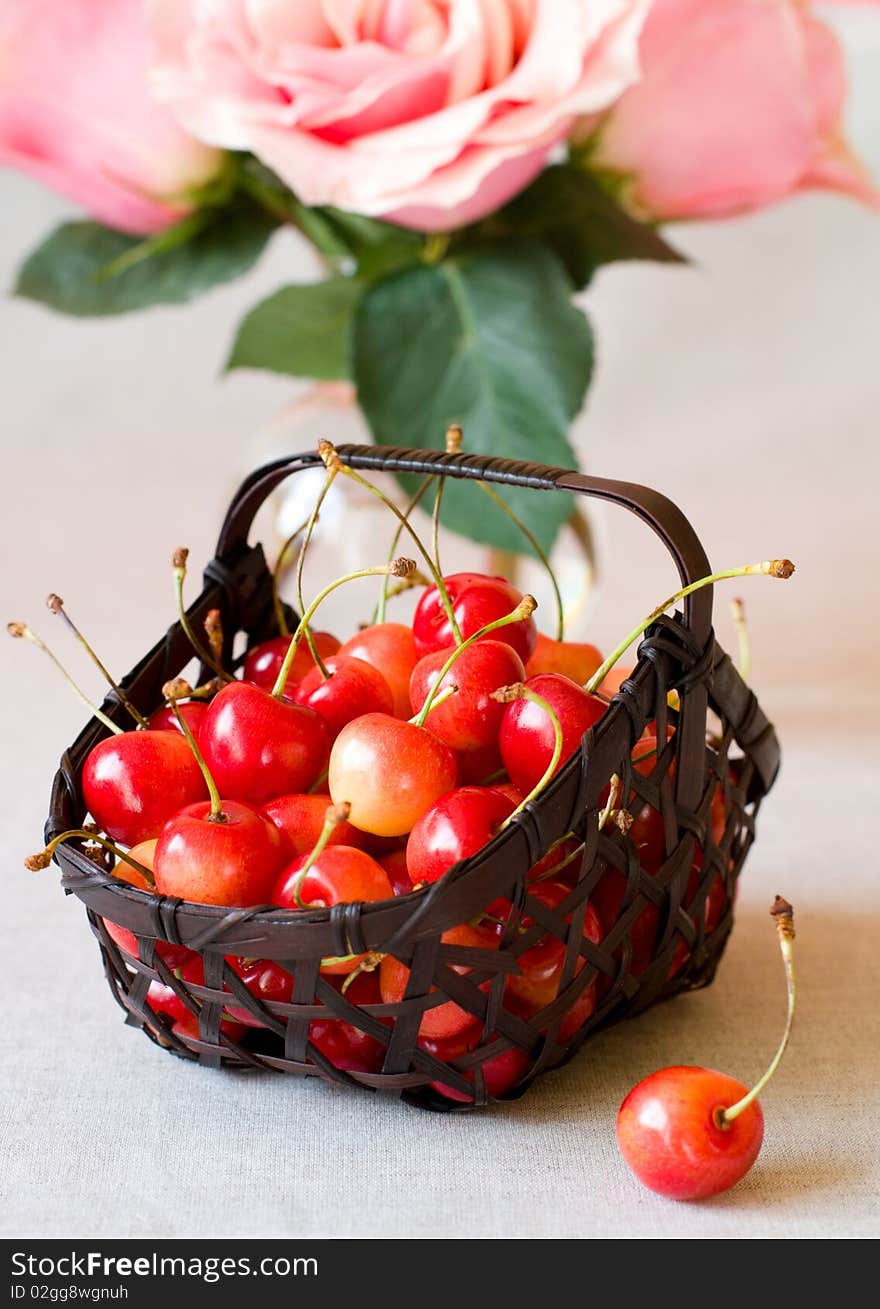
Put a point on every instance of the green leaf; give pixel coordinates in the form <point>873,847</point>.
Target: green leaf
<point>378,248</point>
<point>489,340</point>
<point>568,208</point>
<point>73,270</point>
<point>301,330</point>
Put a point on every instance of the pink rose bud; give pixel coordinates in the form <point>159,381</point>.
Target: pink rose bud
<point>430,114</point>
<point>76,112</point>
<point>739,105</point>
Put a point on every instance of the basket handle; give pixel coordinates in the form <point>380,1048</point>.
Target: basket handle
<point>665,518</point>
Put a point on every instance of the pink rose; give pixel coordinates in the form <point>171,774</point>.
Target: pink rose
<point>76,112</point>
<point>739,105</point>
<point>427,112</point>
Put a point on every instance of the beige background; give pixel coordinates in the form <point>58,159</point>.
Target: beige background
<point>746,387</point>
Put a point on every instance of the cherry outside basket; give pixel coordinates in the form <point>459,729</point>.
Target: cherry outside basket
<point>719,743</point>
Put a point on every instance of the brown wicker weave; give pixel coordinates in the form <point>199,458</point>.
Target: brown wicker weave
<point>679,654</point>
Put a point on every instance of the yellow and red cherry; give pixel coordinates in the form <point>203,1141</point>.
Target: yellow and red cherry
<point>447,1019</point>
<point>145,854</point>
<point>390,772</point>
<point>135,781</point>
<point>469,720</point>
<point>352,689</point>
<point>477,600</point>
<point>527,733</point>
<point>259,746</point>
<point>300,820</point>
<point>577,660</point>
<point>456,826</point>
<point>263,662</point>
<point>389,648</point>
<point>228,856</point>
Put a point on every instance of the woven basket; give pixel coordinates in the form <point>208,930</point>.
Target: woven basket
<point>740,762</point>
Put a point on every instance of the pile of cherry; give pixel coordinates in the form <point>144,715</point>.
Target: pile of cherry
<point>355,771</point>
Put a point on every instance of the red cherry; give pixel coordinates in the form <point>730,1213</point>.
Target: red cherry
<point>389,771</point>
<point>339,875</point>
<point>475,766</point>
<point>574,659</point>
<point>133,783</point>
<point>668,1133</point>
<point>266,980</point>
<point>398,875</point>
<point>476,600</point>
<point>470,719</point>
<point>344,1044</point>
<point>447,1019</point>
<point>352,689</point>
<point>263,662</point>
<point>300,820</point>
<point>258,747</point>
<point>455,827</point>
<point>541,966</point>
<point>191,711</point>
<point>230,862</point>
<point>500,1073</point>
<point>163,999</point>
<point>173,955</point>
<point>527,736</point>
<point>390,648</point>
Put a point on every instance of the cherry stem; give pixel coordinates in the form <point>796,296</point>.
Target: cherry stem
<point>56,606</point>
<point>613,793</point>
<point>336,814</point>
<point>178,563</point>
<point>300,565</point>
<point>21,631</point>
<point>370,962</point>
<point>34,863</point>
<point>738,610</point>
<point>418,720</point>
<point>435,523</point>
<point>526,607</point>
<point>783,915</point>
<point>379,614</point>
<point>398,568</point>
<point>782,568</point>
<point>332,461</point>
<point>216,815</point>
<point>538,549</point>
<point>519,691</point>
<point>276,577</point>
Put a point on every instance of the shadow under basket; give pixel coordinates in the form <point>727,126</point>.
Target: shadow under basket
<point>669,921</point>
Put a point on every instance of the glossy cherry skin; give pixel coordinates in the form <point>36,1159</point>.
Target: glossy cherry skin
<point>575,659</point>
<point>398,874</point>
<point>455,827</point>
<point>388,647</point>
<point>145,854</point>
<point>476,600</point>
<point>300,820</point>
<point>668,1135</point>
<point>470,719</point>
<point>234,862</point>
<point>263,662</point>
<point>352,689</point>
<point>191,711</point>
<point>133,783</point>
<point>475,767</point>
<point>266,980</point>
<point>390,772</point>
<point>527,736</point>
<point>258,747</point>
<point>447,1019</point>
<point>340,875</point>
